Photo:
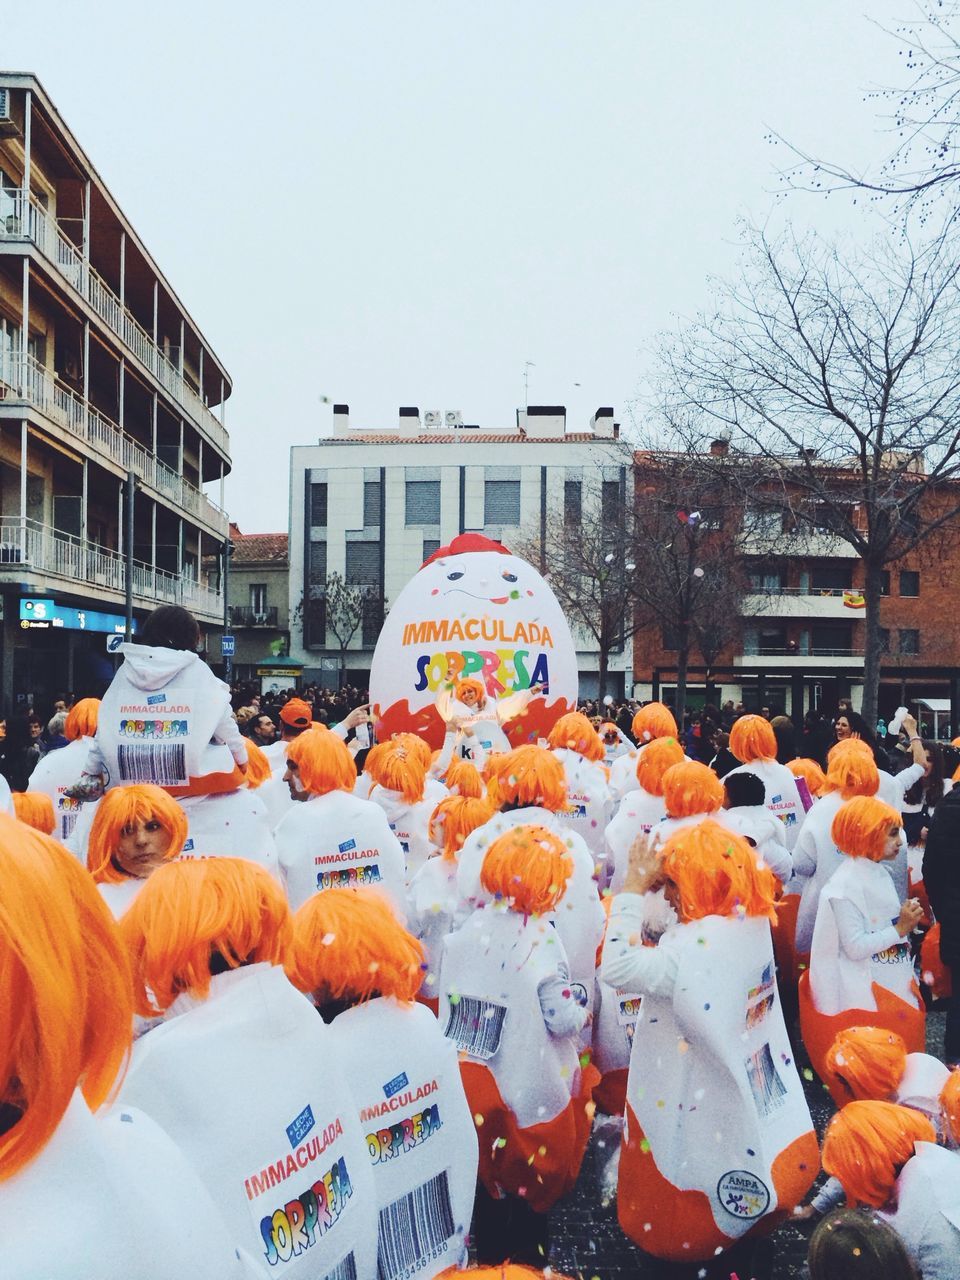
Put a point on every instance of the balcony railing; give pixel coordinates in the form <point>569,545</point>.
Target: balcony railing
<point>27,544</point>
<point>798,651</point>
<point>245,616</point>
<point>44,232</point>
<point>26,379</point>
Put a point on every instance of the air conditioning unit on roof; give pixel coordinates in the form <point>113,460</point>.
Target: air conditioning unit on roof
<point>432,418</point>
<point>453,418</point>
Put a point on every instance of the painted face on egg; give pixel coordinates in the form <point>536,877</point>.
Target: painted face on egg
<point>475,613</point>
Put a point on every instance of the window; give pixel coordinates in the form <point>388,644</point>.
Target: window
<point>909,582</point>
<point>318,506</point>
<point>830,577</point>
<point>371,621</point>
<point>772,639</point>
<point>572,503</point>
<point>430,547</point>
<point>909,644</point>
<point>766,580</point>
<point>610,499</point>
<point>832,637</point>
<point>318,566</point>
<point>763,523</point>
<point>884,640</point>
<point>422,502</point>
<point>258,597</point>
<point>670,638</point>
<point>363,564</point>
<point>885,582</point>
<point>501,502</point>
<point>371,503</point>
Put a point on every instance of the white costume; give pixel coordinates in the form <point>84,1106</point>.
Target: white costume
<point>782,797</point>
<point>589,802</point>
<point>436,909</point>
<point>234,824</point>
<point>119,897</point>
<point>337,840</point>
<point>623,774</point>
<point>248,1085</point>
<point>815,859</point>
<point>765,829</point>
<point>639,813</point>
<point>410,823</point>
<point>420,1136</point>
<point>101,1172</point>
<point>165,719</point>
<point>927,1213</point>
<point>55,772</point>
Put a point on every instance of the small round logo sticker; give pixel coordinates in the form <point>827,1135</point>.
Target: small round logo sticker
<point>743,1194</point>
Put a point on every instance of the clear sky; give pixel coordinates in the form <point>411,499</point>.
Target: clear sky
<point>401,203</point>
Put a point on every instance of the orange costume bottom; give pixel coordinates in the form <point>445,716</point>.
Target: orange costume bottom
<point>820,1029</point>
<point>678,1225</point>
<point>610,1095</point>
<point>539,1164</point>
<point>785,940</point>
<point>211,784</point>
<point>933,971</point>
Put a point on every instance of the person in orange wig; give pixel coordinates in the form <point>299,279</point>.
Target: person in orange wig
<point>135,830</point>
<point>507,1003</point>
<point>35,809</point>
<point>332,838</point>
<point>234,824</point>
<point>363,970</point>
<point>577,745</point>
<point>462,778</point>
<point>435,905</point>
<point>641,808</point>
<point>950,1110</point>
<point>401,792</point>
<point>475,720</point>
<point>814,778</point>
<point>886,1158</point>
<point>653,721</point>
<point>861,968</point>
<point>691,792</point>
<point>66,1011</point>
<point>710,1020</point>
<point>207,942</point>
<point>530,787</point>
<point>57,771</point>
<point>753,741</point>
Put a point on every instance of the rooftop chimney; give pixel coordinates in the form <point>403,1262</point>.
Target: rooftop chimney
<point>543,421</point>
<point>719,448</point>
<point>602,424</point>
<point>409,421</point>
<point>341,420</point>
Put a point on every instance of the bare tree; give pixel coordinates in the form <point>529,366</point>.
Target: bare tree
<point>339,607</point>
<point>839,382</point>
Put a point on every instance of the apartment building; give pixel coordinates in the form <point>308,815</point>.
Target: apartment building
<point>258,600</point>
<point>372,505</point>
<point>105,380</point>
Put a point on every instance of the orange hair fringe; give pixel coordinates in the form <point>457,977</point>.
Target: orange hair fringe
<point>123,807</point>
<point>689,788</point>
<point>258,766</point>
<point>323,762</point>
<point>528,868</point>
<point>861,827</point>
<point>35,809</point>
<point>950,1105</point>
<point>752,738</point>
<point>81,719</point>
<point>453,820</point>
<point>654,761</point>
<point>851,770</point>
<point>655,720</point>
<point>868,1143</point>
<point>717,874</point>
<point>464,778</point>
<point>811,773</point>
<point>529,775</point>
<point>868,1062</point>
<point>471,684</point>
<point>400,770</point>
<point>574,732</point>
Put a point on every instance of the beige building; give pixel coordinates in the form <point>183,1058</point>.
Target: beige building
<point>258,591</point>
<point>103,375</point>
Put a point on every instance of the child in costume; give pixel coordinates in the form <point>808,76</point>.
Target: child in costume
<point>641,808</point>
<point>852,1243</point>
<point>331,838</point>
<point>655,720</point>
<point>576,744</point>
<point>242,1073</point>
<point>57,771</point>
<point>710,1053</point>
<point>135,830</point>
<point>66,1010</point>
<point>400,791</point>
<point>477,720</point>
<point>35,809</point>
<point>363,970</point>
<point>507,1004</point>
<point>753,741</point>
<point>861,968</point>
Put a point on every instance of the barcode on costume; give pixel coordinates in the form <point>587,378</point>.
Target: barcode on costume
<point>414,1229</point>
<point>67,822</point>
<point>162,763</point>
<point>476,1026</point>
<point>346,1269</point>
<point>767,1087</point>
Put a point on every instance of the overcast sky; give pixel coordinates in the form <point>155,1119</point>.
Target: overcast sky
<point>389,203</point>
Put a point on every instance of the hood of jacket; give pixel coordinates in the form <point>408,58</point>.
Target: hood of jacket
<point>152,668</point>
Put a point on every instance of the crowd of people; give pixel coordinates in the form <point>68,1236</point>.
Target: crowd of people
<point>276,997</point>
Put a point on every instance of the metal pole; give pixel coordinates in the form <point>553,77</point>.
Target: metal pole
<point>227,657</point>
<point>128,566</point>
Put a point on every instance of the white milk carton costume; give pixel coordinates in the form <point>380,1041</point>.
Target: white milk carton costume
<point>127,1204</point>
<point>409,823</point>
<point>436,909</point>
<point>234,824</point>
<point>782,797</point>
<point>166,719</point>
<point>615,1013</point>
<point>590,804</point>
<point>422,1144</point>
<point>815,859</point>
<point>335,841</point>
<point>638,814</point>
<point>767,833</point>
<point>526,1083</point>
<point>55,773</point>
<point>247,1084</point>
<point>710,1054</point>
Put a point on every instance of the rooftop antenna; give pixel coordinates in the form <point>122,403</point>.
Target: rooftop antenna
<point>528,365</point>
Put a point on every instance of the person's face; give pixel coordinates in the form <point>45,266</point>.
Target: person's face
<point>266,729</point>
<point>672,895</point>
<point>843,728</point>
<point>36,728</point>
<point>469,696</point>
<point>59,705</point>
<point>142,847</point>
<point>292,778</point>
<point>891,844</point>
<point>928,766</point>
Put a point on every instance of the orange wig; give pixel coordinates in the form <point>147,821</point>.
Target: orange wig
<point>867,1063</point>
<point>653,721</point>
<point>866,1146</point>
<point>811,773</point>
<point>528,868</point>
<point>189,912</point>
<point>399,769</point>
<point>752,738</point>
<point>575,733</point>
<point>415,746</point>
<point>323,762</point>
<point>851,769</point>
<point>454,818</point>
<point>463,778</point>
<point>348,945</point>
<point>82,719</point>
<point>950,1106</point>
<point>861,827</point>
<point>35,809</point>
<point>689,788</point>
<point>471,685</point>
<point>717,874</point>
<point>654,761</point>
<point>258,767</point>
<point>66,998</point>
<point>124,807</point>
<point>530,775</point>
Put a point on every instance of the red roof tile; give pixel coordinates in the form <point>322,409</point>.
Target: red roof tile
<point>257,547</point>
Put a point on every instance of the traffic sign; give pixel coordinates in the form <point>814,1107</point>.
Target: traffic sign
<point>227,646</point>
<point>114,642</point>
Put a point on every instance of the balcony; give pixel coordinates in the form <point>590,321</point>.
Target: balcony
<point>806,543</point>
<point>26,380</point>
<point>245,616</point>
<point>42,231</point>
<point>28,546</point>
<point>797,602</point>
<point>787,659</point>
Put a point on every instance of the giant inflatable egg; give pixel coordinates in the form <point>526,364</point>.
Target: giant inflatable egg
<point>474,610</point>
